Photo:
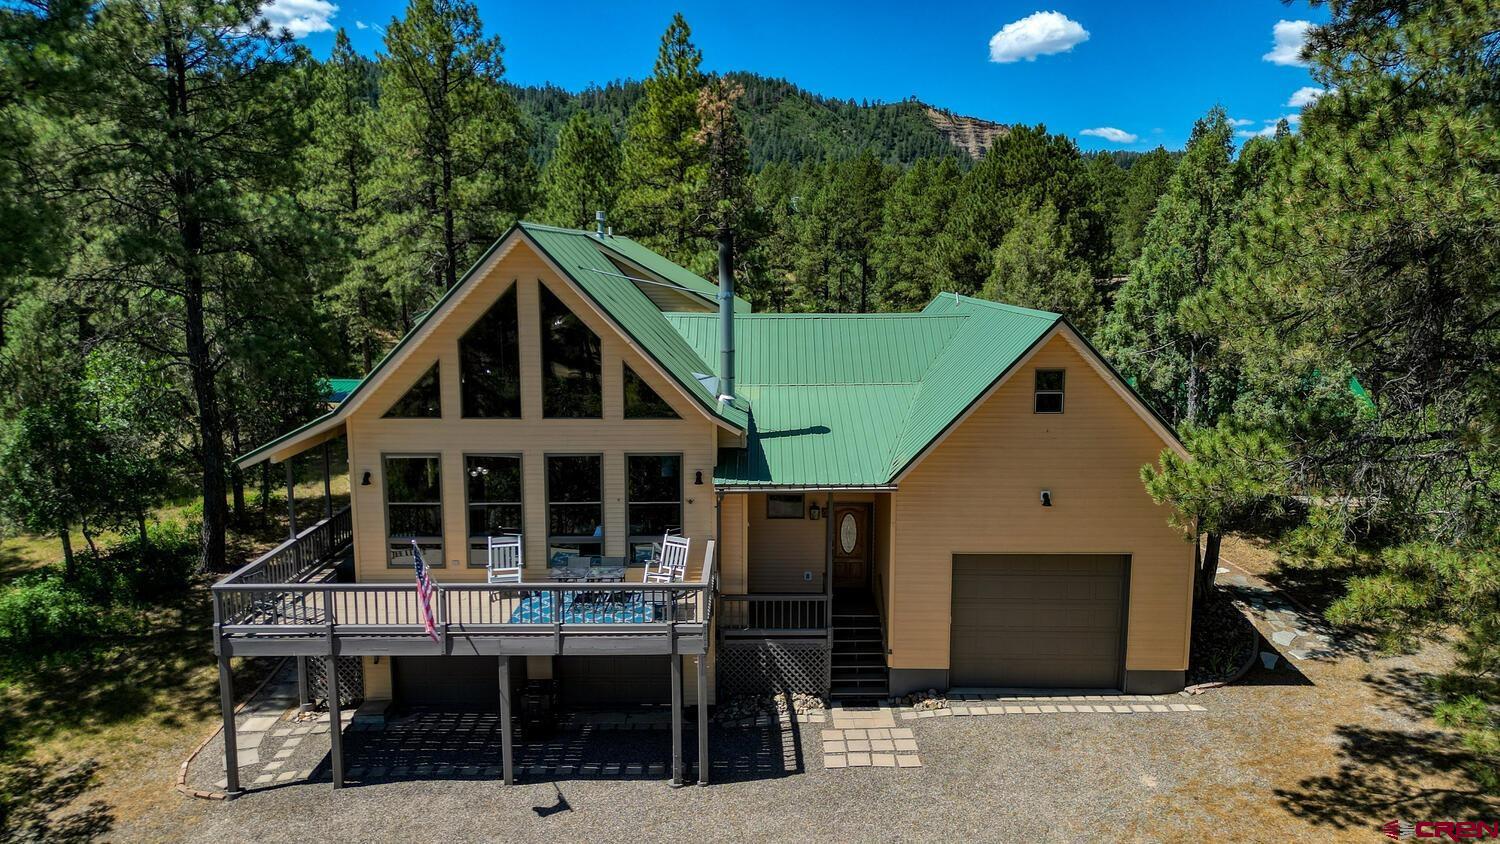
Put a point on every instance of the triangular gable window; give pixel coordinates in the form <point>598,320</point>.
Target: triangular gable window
<point>422,401</point>
<point>642,402</point>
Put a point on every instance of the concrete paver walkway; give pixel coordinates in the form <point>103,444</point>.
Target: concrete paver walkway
<point>864,737</point>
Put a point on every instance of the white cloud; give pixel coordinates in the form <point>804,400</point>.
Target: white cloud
<point>1110,133</point>
<point>1304,97</point>
<point>299,17</point>
<point>1240,121</point>
<point>361,25</point>
<point>1037,34</point>
<point>1267,131</point>
<point>1287,40</point>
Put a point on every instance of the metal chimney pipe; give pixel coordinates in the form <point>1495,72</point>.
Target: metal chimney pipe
<point>599,224</point>
<point>726,315</point>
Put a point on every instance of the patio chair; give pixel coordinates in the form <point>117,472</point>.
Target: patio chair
<point>671,565</point>
<point>505,558</point>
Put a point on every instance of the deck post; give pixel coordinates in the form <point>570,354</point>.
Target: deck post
<point>327,486</point>
<point>703,718</point>
<point>335,720</point>
<point>304,692</point>
<point>507,749</point>
<point>291,501</point>
<point>226,708</point>
<point>676,713</point>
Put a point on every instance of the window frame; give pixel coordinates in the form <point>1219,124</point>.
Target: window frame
<point>543,339</point>
<point>513,291</point>
<point>570,539</point>
<point>482,540</point>
<point>626,373</point>
<point>801,496</point>
<point>426,542</point>
<point>632,540</point>
<point>1037,392</point>
<point>436,371</point>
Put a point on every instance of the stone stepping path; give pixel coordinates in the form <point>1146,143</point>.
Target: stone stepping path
<point>1050,703</point>
<point>867,737</point>
<point>1293,633</point>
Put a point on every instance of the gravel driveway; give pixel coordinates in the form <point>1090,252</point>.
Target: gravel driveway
<point>1329,747</point>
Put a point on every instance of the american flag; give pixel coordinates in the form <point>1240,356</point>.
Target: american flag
<point>424,592</point>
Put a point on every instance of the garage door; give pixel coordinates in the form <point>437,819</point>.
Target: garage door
<point>447,682</point>
<point>595,681</point>
<point>1038,621</point>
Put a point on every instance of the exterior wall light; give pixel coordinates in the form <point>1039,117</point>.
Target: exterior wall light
<point>366,480</point>
<point>814,512</point>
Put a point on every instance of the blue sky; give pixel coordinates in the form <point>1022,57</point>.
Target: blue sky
<point>1144,69</point>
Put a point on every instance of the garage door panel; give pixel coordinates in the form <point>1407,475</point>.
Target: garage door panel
<point>1037,620</point>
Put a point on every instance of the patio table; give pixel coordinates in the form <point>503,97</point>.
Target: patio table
<point>599,569</point>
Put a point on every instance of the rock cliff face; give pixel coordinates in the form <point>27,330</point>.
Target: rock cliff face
<point>970,134</point>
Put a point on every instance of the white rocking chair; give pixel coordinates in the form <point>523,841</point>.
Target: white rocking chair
<point>504,565</point>
<point>671,565</point>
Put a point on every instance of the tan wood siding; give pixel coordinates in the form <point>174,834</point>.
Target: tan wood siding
<point>732,544</point>
<point>978,493</point>
<point>533,437</point>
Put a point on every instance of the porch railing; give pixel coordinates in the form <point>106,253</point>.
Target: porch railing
<point>773,615</point>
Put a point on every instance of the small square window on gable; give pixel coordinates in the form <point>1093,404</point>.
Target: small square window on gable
<point>642,402</point>
<point>422,401</point>
<point>1049,390</point>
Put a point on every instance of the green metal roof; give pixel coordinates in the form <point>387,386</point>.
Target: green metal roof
<point>577,254</point>
<point>628,249</point>
<point>851,399</point>
<point>338,389</point>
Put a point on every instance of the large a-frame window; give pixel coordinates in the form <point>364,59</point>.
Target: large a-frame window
<point>489,368</point>
<point>570,363</point>
<point>422,401</point>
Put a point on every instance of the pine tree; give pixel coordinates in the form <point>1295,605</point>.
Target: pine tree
<point>339,166</point>
<point>852,205</point>
<point>181,160</point>
<point>1145,182</point>
<point>583,175</point>
<point>453,168</point>
<point>1148,335</point>
<point>665,165</point>
<point>916,208</point>
<point>1035,267</point>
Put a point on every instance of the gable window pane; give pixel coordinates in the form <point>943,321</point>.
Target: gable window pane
<point>489,373</point>
<point>654,496</point>
<point>1049,390</point>
<point>570,363</point>
<point>642,402</point>
<point>413,509</point>
<point>493,487</point>
<point>575,504</point>
<point>422,401</point>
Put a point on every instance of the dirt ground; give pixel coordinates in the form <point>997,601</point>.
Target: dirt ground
<point>1326,748</point>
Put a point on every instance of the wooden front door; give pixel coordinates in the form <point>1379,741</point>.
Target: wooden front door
<point>851,546</point>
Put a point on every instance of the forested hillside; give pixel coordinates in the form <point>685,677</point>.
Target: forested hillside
<point>198,222</point>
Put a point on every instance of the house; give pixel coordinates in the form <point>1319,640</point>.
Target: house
<point>875,503</point>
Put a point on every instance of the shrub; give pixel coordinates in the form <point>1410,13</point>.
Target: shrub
<point>39,610</point>
<point>132,571</point>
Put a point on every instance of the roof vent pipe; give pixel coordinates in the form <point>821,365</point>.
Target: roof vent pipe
<point>599,224</point>
<point>726,315</point>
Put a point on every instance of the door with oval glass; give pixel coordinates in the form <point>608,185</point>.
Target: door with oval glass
<point>851,546</point>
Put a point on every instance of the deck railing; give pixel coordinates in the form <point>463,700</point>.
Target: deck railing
<point>773,614</point>
<point>298,608</point>
<point>299,557</point>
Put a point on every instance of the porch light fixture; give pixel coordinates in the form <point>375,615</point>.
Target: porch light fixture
<point>366,480</point>
<point>814,512</point>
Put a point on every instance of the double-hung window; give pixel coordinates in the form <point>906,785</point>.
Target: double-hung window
<point>575,504</point>
<point>653,489</point>
<point>413,508</point>
<point>493,487</point>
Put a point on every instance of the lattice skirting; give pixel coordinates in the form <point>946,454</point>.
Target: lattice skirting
<point>767,667</point>
<point>351,680</point>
